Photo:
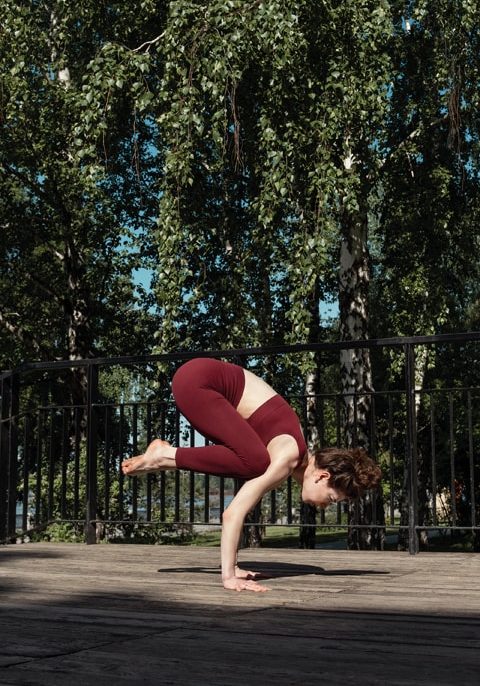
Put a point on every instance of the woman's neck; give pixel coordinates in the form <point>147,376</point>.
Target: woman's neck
<point>299,472</point>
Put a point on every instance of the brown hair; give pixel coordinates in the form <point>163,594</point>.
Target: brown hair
<point>352,471</point>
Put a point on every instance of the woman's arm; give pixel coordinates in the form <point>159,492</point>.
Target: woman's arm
<point>234,516</point>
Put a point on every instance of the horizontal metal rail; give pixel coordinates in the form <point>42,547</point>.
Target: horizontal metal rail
<point>394,342</point>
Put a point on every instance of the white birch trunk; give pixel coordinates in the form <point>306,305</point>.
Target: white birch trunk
<point>356,372</point>
<point>313,434</point>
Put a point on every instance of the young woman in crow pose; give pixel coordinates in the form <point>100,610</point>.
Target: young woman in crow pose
<point>255,436</point>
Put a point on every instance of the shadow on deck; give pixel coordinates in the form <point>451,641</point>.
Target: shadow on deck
<point>112,614</point>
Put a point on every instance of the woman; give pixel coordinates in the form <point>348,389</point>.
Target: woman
<point>257,436</point>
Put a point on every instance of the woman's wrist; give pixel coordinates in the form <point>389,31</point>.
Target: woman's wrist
<point>228,573</point>
<point>231,528</point>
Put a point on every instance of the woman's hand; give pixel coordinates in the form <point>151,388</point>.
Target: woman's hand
<point>237,584</point>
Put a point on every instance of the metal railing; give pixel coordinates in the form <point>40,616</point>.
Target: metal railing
<point>60,459</point>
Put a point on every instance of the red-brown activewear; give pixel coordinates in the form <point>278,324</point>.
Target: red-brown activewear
<point>207,393</point>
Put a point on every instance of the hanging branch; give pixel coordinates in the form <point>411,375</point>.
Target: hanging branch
<point>149,43</point>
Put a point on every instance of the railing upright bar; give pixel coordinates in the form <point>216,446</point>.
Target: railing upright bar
<point>273,506</point>
<point>192,480</point>
<point>13,456</point>
<point>5,389</point>
<point>451,431</point>
<point>149,476</point>
<point>76,462</point>
<point>135,452</point>
<point>121,477</point>
<point>338,421</point>
<point>320,418</point>
<point>38,467</point>
<point>471,459</point>
<point>177,473</point>
<point>51,463</point>
<point>391,460</point>
<point>434,460</point>
<point>289,501</point>
<point>206,496</point>
<point>411,451</point>
<point>107,461</point>
<point>92,456</point>
<point>163,427</point>
<point>26,471</point>
<point>355,420</point>
<point>374,454</point>
<point>65,453</point>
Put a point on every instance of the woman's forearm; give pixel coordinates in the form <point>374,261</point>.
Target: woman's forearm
<point>234,516</point>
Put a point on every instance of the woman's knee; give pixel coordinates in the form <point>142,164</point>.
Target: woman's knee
<point>184,383</point>
<point>183,376</point>
<point>191,376</point>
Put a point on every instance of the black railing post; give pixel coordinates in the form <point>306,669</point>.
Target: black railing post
<point>411,452</point>
<point>5,388</point>
<point>91,494</point>
<point>9,405</point>
<point>13,457</point>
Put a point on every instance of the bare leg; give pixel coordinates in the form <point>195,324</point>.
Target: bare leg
<point>158,456</point>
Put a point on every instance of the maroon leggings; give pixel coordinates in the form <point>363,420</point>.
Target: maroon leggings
<point>207,392</point>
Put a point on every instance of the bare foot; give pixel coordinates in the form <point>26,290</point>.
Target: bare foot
<point>159,455</point>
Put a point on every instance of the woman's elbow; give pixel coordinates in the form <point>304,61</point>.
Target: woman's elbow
<point>228,515</point>
<point>232,515</point>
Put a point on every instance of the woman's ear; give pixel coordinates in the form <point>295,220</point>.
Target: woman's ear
<point>322,474</point>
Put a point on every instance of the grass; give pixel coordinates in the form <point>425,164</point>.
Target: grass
<point>288,537</point>
<point>275,537</point>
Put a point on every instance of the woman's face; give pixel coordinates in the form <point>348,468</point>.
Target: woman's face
<point>316,488</point>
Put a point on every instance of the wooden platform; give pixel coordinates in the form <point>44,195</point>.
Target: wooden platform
<point>111,614</point>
